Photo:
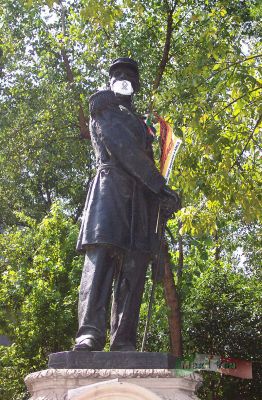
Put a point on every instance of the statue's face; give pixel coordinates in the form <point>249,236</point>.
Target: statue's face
<point>125,73</point>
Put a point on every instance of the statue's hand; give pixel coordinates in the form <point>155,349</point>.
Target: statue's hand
<point>169,202</point>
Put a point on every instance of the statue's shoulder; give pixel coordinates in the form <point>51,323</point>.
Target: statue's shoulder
<point>101,100</point>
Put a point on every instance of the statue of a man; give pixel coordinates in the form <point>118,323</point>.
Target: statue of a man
<point>118,232</point>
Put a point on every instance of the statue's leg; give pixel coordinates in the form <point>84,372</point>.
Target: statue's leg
<point>128,292</point>
<point>94,297</point>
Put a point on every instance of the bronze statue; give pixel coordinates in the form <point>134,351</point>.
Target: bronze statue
<point>118,232</point>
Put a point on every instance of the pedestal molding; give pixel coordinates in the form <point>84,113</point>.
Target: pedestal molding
<point>55,384</point>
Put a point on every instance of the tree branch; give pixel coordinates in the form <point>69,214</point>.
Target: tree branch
<point>164,60</point>
<point>236,162</point>
<point>84,131</point>
<point>235,100</point>
<point>231,64</point>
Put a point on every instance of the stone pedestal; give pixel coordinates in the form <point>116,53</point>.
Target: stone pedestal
<point>110,384</point>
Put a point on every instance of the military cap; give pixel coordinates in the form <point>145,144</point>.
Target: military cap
<point>123,61</point>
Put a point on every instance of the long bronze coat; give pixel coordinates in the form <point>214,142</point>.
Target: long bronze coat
<point>122,203</point>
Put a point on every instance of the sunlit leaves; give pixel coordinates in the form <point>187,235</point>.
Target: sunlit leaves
<point>101,13</point>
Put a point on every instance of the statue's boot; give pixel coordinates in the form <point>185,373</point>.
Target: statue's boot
<point>87,344</point>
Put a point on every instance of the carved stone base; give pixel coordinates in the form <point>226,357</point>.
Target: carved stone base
<point>114,384</point>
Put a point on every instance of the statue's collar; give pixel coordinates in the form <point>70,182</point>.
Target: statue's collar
<point>106,98</point>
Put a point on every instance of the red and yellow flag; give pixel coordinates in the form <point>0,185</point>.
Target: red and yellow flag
<point>169,147</point>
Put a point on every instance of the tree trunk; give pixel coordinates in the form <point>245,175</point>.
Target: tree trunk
<point>173,304</point>
<point>181,254</point>
<point>217,247</point>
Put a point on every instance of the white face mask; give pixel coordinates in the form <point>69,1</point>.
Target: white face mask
<point>121,87</point>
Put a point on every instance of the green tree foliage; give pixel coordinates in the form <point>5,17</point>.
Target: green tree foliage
<point>221,304</point>
<point>210,89</point>
<point>200,69</point>
<point>40,272</point>
<point>223,317</point>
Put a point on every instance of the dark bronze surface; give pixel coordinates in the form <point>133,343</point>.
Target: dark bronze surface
<point>110,360</point>
<point>118,226</point>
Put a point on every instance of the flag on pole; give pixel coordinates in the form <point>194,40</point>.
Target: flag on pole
<point>236,367</point>
<point>169,147</point>
<point>226,366</point>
